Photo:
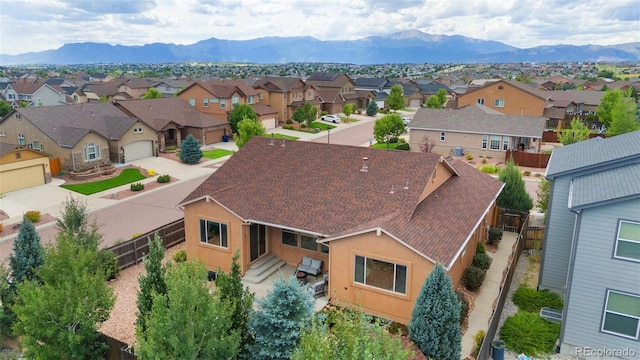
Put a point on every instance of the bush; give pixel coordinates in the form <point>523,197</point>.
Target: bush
<point>324,113</point>
<point>528,333</point>
<point>33,215</point>
<point>303,126</point>
<point>403,146</point>
<point>288,127</point>
<point>108,262</point>
<point>531,300</point>
<point>480,248</point>
<point>472,278</point>
<point>489,169</point>
<point>289,121</point>
<point>495,235</point>
<point>469,156</point>
<point>478,338</point>
<point>137,186</point>
<point>136,235</point>
<point>180,256</point>
<point>526,173</point>
<point>170,148</point>
<point>402,140</point>
<point>164,178</point>
<point>484,159</point>
<point>393,140</point>
<point>483,261</point>
<point>464,306</point>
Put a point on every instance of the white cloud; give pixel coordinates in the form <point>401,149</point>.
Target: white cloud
<point>36,25</point>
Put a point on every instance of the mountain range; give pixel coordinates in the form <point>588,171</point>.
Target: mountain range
<point>401,47</point>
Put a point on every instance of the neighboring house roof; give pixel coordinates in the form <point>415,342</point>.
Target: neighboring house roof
<point>577,96</point>
<point>386,196</point>
<point>68,124</point>
<point>524,87</point>
<point>605,186</point>
<point>263,109</point>
<point>431,87</point>
<point>279,83</point>
<point>101,88</point>
<point>26,87</point>
<point>478,119</point>
<point>554,112</point>
<point>370,82</point>
<point>224,89</point>
<point>6,148</point>
<point>323,76</point>
<point>140,83</point>
<point>159,112</point>
<point>597,151</point>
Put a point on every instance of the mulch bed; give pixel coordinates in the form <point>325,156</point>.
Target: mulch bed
<point>11,229</point>
<point>68,180</point>
<point>126,193</point>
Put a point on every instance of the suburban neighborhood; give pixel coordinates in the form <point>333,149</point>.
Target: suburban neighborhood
<point>351,190</point>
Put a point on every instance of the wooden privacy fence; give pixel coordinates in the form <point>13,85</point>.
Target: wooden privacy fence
<point>511,220</point>
<point>131,252</point>
<point>117,349</point>
<point>534,160</point>
<point>532,237</point>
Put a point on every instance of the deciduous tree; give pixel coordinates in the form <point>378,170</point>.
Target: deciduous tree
<point>623,118</point>
<point>347,110</point>
<point>74,219</point>
<point>190,151</point>
<point>239,113</point>
<point>305,113</point>
<point>607,104</point>
<point>437,100</point>
<point>544,189</point>
<point>427,145</point>
<point>152,93</point>
<point>435,321</point>
<point>395,100</point>
<point>387,127</point>
<point>5,108</point>
<point>577,132</point>
<point>513,195</point>
<point>247,129</point>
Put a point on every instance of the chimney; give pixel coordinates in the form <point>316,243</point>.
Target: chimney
<point>365,168</point>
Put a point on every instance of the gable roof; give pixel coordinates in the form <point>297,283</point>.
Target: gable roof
<point>370,82</point>
<point>323,76</point>
<point>26,87</point>
<point>224,89</point>
<point>576,96</point>
<point>356,200</point>
<point>263,109</point>
<point>274,83</point>
<point>100,88</point>
<point>68,124</point>
<point>478,119</point>
<point>594,152</point>
<point>139,83</point>
<point>605,186</point>
<point>516,84</point>
<point>159,112</point>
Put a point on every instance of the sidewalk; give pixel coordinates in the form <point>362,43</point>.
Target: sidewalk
<point>485,301</point>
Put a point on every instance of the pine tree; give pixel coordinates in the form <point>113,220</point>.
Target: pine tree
<point>514,195</point>
<point>190,151</point>
<point>241,299</point>
<point>153,282</point>
<point>283,313</point>
<point>372,108</point>
<point>435,321</point>
<point>27,253</point>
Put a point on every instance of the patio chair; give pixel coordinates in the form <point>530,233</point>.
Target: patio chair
<point>310,265</point>
<point>317,288</point>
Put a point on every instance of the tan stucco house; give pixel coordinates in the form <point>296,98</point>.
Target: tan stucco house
<point>508,97</point>
<point>476,130</point>
<point>82,136</point>
<point>379,220</point>
<point>22,167</point>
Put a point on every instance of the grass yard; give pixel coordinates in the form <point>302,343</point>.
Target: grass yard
<point>280,136</point>
<point>321,125</point>
<point>127,176</point>
<point>217,153</point>
<point>392,146</point>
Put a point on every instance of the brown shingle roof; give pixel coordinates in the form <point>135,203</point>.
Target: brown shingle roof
<point>224,89</point>
<point>159,112</point>
<point>349,199</point>
<point>26,87</point>
<point>263,109</point>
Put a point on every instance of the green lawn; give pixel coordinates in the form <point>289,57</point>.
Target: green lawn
<point>217,153</point>
<point>280,136</point>
<point>384,146</point>
<point>321,125</point>
<point>127,176</point>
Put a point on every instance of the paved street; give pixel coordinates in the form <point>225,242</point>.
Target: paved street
<point>356,134</point>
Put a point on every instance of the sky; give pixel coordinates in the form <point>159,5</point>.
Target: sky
<point>37,25</point>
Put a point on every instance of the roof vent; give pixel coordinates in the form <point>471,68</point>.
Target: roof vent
<point>406,185</point>
<point>283,142</point>
<point>273,139</point>
<point>365,168</point>
<point>393,188</point>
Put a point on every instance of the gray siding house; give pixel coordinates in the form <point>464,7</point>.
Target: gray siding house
<point>591,252</point>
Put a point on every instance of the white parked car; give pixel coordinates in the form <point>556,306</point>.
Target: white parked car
<point>331,118</point>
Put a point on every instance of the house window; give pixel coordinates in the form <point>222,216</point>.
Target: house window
<point>250,100</point>
<point>192,101</point>
<point>309,94</point>
<point>498,103</point>
<point>213,100</point>
<point>35,145</point>
<point>500,87</point>
<point>289,238</point>
<point>495,142</point>
<point>261,96</point>
<point>213,233</point>
<point>285,96</point>
<point>137,130</point>
<point>324,249</point>
<point>223,103</point>
<point>21,140</point>
<point>2,134</point>
<point>381,274</point>
<point>18,116</point>
<point>621,315</point>
<point>235,99</point>
<point>18,155</point>
<point>505,143</point>
<point>481,101</point>
<point>167,89</point>
<point>443,136</point>
<point>485,141</point>
<point>92,152</point>
<point>308,242</point>
<point>205,102</point>
<point>628,241</point>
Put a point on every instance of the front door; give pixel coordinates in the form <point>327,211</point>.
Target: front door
<point>257,241</point>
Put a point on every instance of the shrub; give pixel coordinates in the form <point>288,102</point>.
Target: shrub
<point>108,262</point>
<point>289,121</point>
<point>526,173</point>
<point>136,235</point>
<point>180,256</point>
<point>469,156</point>
<point>303,126</point>
<point>402,140</point>
<point>472,278</point>
<point>33,215</point>
<point>495,235</point>
<point>531,300</point>
<point>359,111</point>
<point>164,178</point>
<point>483,261</point>
<point>484,159</point>
<point>393,140</point>
<point>170,148</point>
<point>528,333</point>
<point>324,113</point>
<point>137,186</point>
<point>288,127</point>
<point>480,248</point>
<point>403,146</point>
<point>489,169</point>
<point>464,306</point>
<point>478,338</point>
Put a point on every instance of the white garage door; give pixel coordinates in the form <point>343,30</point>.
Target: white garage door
<point>138,150</point>
<point>269,123</point>
<point>21,178</point>
<point>414,103</point>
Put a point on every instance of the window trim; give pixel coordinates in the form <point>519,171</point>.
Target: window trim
<point>205,102</point>
<point>485,142</point>
<point>395,273</point>
<point>223,103</point>
<point>499,103</point>
<point>618,239</point>
<point>192,101</point>
<point>295,236</point>
<point>224,236</point>
<point>480,101</point>
<point>491,138</point>
<point>605,311</point>
<point>96,152</point>
<point>443,136</point>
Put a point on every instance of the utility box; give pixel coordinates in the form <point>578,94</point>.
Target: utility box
<point>457,151</point>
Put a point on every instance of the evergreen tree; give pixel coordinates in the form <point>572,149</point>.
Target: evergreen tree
<point>372,108</point>
<point>6,301</point>
<point>152,282</point>
<point>514,195</point>
<point>395,100</point>
<point>278,325</point>
<point>240,298</point>
<point>190,151</point>
<point>435,321</point>
<point>239,113</point>
<point>58,317</point>
<point>190,321</point>
<point>27,254</point>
